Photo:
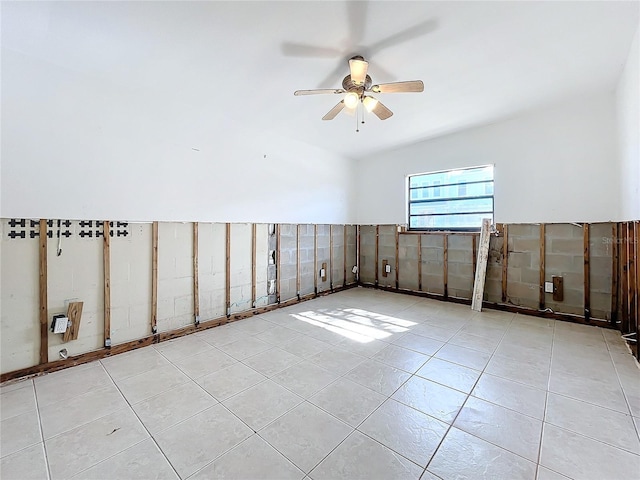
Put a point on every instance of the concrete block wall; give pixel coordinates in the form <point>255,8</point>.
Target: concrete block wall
<point>19,326</point>
<point>460,266</point>
<point>433,264</point>
<point>338,257</point>
<point>368,254</point>
<point>351,252</point>
<point>272,270</point>
<point>77,274</point>
<point>564,256</point>
<point>262,265</point>
<point>493,280</point>
<point>601,258</point>
<point>523,265</point>
<point>323,244</point>
<point>387,251</point>
<point>407,262</point>
<point>307,255</point>
<point>175,275</point>
<point>288,272</point>
<point>241,271</point>
<point>212,262</point>
<point>131,262</point>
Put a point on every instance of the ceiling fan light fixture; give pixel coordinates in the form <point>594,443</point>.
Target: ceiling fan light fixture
<point>358,67</point>
<point>369,103</point>
<point>351,99</point>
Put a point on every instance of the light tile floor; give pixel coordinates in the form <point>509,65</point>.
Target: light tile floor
<point>361,384</point>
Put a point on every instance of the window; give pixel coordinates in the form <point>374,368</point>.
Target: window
<point>451,200</point>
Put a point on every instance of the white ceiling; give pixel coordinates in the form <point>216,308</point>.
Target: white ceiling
<point>480,61</point>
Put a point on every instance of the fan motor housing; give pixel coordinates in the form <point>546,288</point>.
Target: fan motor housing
<point>349,85</point>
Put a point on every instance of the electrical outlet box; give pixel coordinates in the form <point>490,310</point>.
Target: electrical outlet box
<point>385,264</point>
<point>558,291</point>
<point>323,272</point>
<point>60,323</point>
<point>548,287</point>
<point>387,268</point>
<point>354,269</point>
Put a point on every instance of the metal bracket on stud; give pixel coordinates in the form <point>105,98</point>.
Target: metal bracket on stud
<point>154,330</point>
<point>107,342</point>
<point>197,320</point>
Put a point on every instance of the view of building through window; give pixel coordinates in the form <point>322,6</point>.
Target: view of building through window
<point>451,199</point>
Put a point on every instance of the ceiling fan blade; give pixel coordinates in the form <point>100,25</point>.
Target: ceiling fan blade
<point>410,33</point>
<point>323,91</point>
<point>334,76</point>
<point>357,16</point>
<point>399,87</point>
<point>381,111</point>
<point>358,70</point>
<point>291,49</point>
<point>331,114</point>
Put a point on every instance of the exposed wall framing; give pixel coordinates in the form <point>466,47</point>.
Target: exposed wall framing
<point>413,254</point>
<point>106,262</point>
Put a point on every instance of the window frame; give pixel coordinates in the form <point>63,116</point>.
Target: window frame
<point>410,202</point>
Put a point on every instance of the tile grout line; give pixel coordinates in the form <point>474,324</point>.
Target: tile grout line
<point>624,392</point>
<point>143,426</point>
<point>44,444</point>
<point>435,452</point>
<point>546,399</point>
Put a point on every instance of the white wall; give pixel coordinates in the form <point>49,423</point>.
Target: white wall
<point>558,164</point>
<point>628,107</point>
<point>78,147</point>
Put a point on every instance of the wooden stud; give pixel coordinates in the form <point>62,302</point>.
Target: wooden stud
<point>587,272</point>
<point>196,286</point>
<point>106,263</point>
<point>420,262</point>
<point>541,299</point>
<point>636,256</point>
<point>331,257</point>
<point>154,278</point>
<point>624,294</point>
<point>278,265</point>
<point>315,259</point>
<point>254,261</point>
<point>631,270</point>
<point>298,261</point>
<point>344,256</point>
<point>445,264</point>
<point>377,246</point>
<point>397,257</point>
<point>227,272</point>
<point>615,259</point>
<point>44,308</point>
<point>358,263</point>
<point>505,261</point>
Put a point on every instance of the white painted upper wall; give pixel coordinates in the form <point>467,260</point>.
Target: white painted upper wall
<point>628,110</point>
<point>76,146</point>
<point>558,164</point>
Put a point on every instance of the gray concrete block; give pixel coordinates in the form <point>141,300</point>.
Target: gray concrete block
<point>519,259</point>
<point>562,230</point>
<point>523,230</point>
<point>573,246</point>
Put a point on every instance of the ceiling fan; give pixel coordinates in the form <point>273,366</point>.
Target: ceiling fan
<point>357,85</point>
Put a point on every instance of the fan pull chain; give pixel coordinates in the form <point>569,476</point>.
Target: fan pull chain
<point>357,125</point>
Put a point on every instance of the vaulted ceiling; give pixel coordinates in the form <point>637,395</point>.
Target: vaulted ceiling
<point>237,63</point>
